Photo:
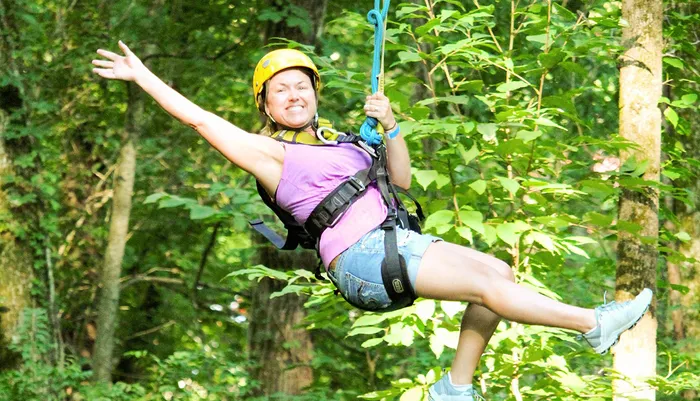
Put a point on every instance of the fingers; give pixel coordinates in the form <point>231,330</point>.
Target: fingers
<point>108,54</point>
<point>379,107</point>
<point>125,49</point>
<point>103,63</point>
<point>105,72</point>
<point>375,110</point>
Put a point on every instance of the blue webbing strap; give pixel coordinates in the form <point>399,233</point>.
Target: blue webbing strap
<point>376,16</point>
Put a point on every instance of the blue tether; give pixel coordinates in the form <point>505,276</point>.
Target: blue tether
<point>376,16</point>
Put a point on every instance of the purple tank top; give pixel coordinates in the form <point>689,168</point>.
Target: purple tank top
<point>309,173</point>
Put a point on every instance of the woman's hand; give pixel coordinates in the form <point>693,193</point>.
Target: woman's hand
<point>126,68</point>
<point>378,106</point>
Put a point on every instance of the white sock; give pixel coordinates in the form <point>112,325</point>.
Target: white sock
<point>460,387</point>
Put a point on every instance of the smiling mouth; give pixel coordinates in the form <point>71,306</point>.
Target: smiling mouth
<point>295,107</point>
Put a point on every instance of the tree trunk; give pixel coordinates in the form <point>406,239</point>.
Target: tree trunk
<point>279,348</point>
<point>640,122</point>
<point>108,307</point>
<point>15,265</point>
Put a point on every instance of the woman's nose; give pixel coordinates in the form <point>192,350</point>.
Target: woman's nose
<point>293,94</point>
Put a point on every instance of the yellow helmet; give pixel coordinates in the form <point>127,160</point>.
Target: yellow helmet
<point>276,61</point>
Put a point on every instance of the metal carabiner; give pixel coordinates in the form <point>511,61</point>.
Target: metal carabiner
<point>322,138</point>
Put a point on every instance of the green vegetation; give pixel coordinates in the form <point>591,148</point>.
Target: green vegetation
<point>510,110</point>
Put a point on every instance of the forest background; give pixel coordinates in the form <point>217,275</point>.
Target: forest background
<point>128,270</point>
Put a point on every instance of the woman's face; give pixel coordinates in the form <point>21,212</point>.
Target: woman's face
<point>291,99</point>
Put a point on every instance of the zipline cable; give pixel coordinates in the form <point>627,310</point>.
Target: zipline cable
<point>377,17</point>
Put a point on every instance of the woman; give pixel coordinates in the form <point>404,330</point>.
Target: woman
<point>298,176</point>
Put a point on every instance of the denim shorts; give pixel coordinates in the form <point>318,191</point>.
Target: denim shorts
<point>358,275</point>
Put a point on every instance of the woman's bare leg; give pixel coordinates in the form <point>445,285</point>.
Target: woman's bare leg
<point>453,272</point>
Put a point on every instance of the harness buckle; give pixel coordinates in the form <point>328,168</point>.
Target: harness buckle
<point>390,222</point>
<point>357,184</point>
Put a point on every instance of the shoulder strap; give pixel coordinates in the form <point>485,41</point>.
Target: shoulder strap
<point>296,235</point>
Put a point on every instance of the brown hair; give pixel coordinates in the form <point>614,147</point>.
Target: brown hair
<point>270,127</point>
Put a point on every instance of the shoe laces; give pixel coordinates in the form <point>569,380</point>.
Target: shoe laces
<point>604,308</point>
<point>611,306</point>
<point>475,394</point>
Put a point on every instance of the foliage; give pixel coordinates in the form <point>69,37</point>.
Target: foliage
<point>510,113</point>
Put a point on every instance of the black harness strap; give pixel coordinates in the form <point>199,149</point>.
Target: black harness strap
<point>327,212</point>
<point>394,273</point>
<point>296,235</point>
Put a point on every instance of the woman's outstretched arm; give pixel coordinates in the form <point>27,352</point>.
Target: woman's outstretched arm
<point>253,153</point>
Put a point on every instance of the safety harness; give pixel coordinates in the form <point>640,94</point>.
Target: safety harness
<point>327,213</point>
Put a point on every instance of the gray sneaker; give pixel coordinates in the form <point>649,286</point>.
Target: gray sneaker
<point>442,390</point>
<point>614,319</point>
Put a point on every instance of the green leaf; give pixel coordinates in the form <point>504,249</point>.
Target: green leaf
<point>487,130</point>
<point>479,186</point>
<point>372,342</point>
<point>451,308</point>
<point>456,99</point>
<point>425,310</point>
<point>490,235</point>
<point>527,136</point>
<point>627,226</point>
<point>441,180</point>
<point>507,233</point>
<point>549,60</point>
<point>369,320</point>
<point>563,12</point>
<point>671,116</point>
<point>670,174</point>
<point>473,220</point>
<point>414,394</point>
<point>582,240</point>
<point>422,30</point>
<point>425,177</point>
<point>447,337</point>
<point>153,198</point>
<point>537,38</point>
<point>409,56</point>
<point>510,185</point>
<point>511,86</point>
<point>199,212</point>
<point>575,68</point>
<point>465,233</point>
<point>439,218</point>
<point>470,155</point>
<point>548,123</point>
<point>510,232</point>
<point>364,330</point>
<point>674,62</point>
<point>472,86</point>
<point>689,98</point>
<point>290,289</point>
<point>544,240</point>
<point>174,201</point>
<point>683,236</point>
<point>436,345</point>
<point>259,272</point>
